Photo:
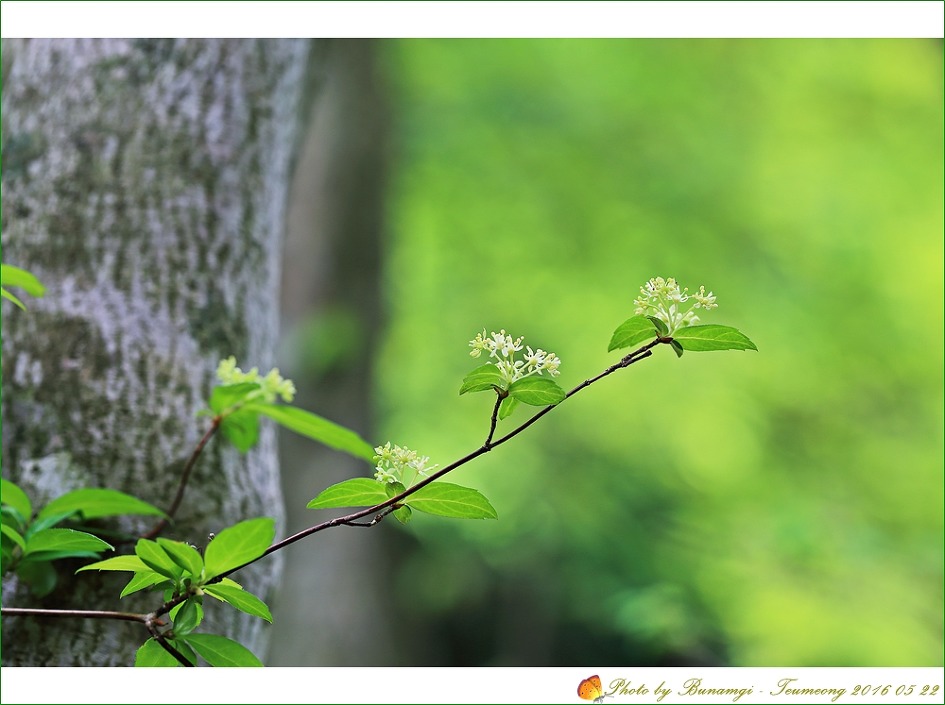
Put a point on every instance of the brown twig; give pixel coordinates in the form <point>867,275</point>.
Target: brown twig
<point>185,476</point>
<point>495,416</point>
<point>152,620</point>
<point>151,624</point>
<point>82,614</point>
<point>349,519</point>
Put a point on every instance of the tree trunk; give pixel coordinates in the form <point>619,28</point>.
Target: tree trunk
<point>144,182</point>
<point>329,611</point>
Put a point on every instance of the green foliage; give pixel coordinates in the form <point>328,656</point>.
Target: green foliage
<point>13,535</point>
<point>315,427</point>
<point>14,276</point>
<point>536,391</point>
<point>239,544</point>
<point>186,576</point>
<point>705,338</point>
<point>635,330</point>
<point>184,555</point>
<point>186,616</point>
<point>507,406</point>
<point>484,377</point>
<point>403,514</point>
<point>67,541</point>
<point>153,555</point>
<point>29,544</point>
<point>240,405</point>
<point>133,563</point>
<point>356,492</point>
<point>143,580</point>
<point>215,650</point>
<point>220,651</point>
<point>94,503</point>
<point>440,498</point>
<point>15,498</point>
<point>731,506</point>
<point>153,655</point>
<point>449,500</point>
<point>241,428</point>
<point>230,592</point>
<point>227,397</point>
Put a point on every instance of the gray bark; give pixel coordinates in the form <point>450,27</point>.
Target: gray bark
<point>329,610</point>
<point>144,182</point>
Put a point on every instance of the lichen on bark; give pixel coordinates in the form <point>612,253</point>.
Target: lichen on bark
<point>144,182</point>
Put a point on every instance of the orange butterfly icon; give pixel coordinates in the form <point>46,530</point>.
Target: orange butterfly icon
<point>591,689</point>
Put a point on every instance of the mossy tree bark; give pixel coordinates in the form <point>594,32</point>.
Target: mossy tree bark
<point>144,182</point>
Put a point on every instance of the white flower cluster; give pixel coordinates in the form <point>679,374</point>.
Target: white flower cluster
<point>271,385</point>
<point>661,298</point>
<point>503,347</point>
<point>396,464</point>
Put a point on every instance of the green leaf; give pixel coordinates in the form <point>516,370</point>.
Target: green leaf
<point>13,535</point>
<point>225,396</point>
<point>449,500</point>
<point>507,406</point>
<point>41,577</point>
<point>537,391</point>
<point>220,651</point>
<point>47,522</point>
<point>12,495</point>
<point>244,601</point>
<point>152,655</point>
<point>482,378</point>
<point>12,518</point>
<point>712,337</point>
<point>14,276</point>
<point>10,297</point>
<point>187,617</point>
<point>392,489</point>
<point>132,563</point>
<point>184,649</point>
<point>677,348</point>
<point>241,428</point>
<point>142,581</point>
<point>634,330</point>
<point>318,429</point>
<point>65,540</point>
<point>38,556</point>
<point>184,555</point>
<point>237,545</point>
<point>97,502</point>
<point>156,558</point>
<point>403,514</point>
<point>357,492</point>
<point>660,326</point>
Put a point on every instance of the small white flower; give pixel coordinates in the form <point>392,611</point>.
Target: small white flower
<point>704,300</point>
<point>270,386</point>
<point>503,347</point>
<point>400,464</point>
<point>661,299</point>
<point>478,344</point>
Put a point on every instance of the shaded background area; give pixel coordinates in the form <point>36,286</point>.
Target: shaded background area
<point>784,507</point>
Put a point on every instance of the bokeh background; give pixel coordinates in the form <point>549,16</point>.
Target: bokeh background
<point>783,507</point>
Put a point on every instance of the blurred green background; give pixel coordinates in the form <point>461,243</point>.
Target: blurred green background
<point>783,507</point>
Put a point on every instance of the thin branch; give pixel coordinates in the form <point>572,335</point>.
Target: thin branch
<point>348,519</point>
<point>82,614</point>
<point>185,476</point>
<point>173,602</point>
<point>495,417</point>
<point>152,620</point>
<point>151,624</point>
